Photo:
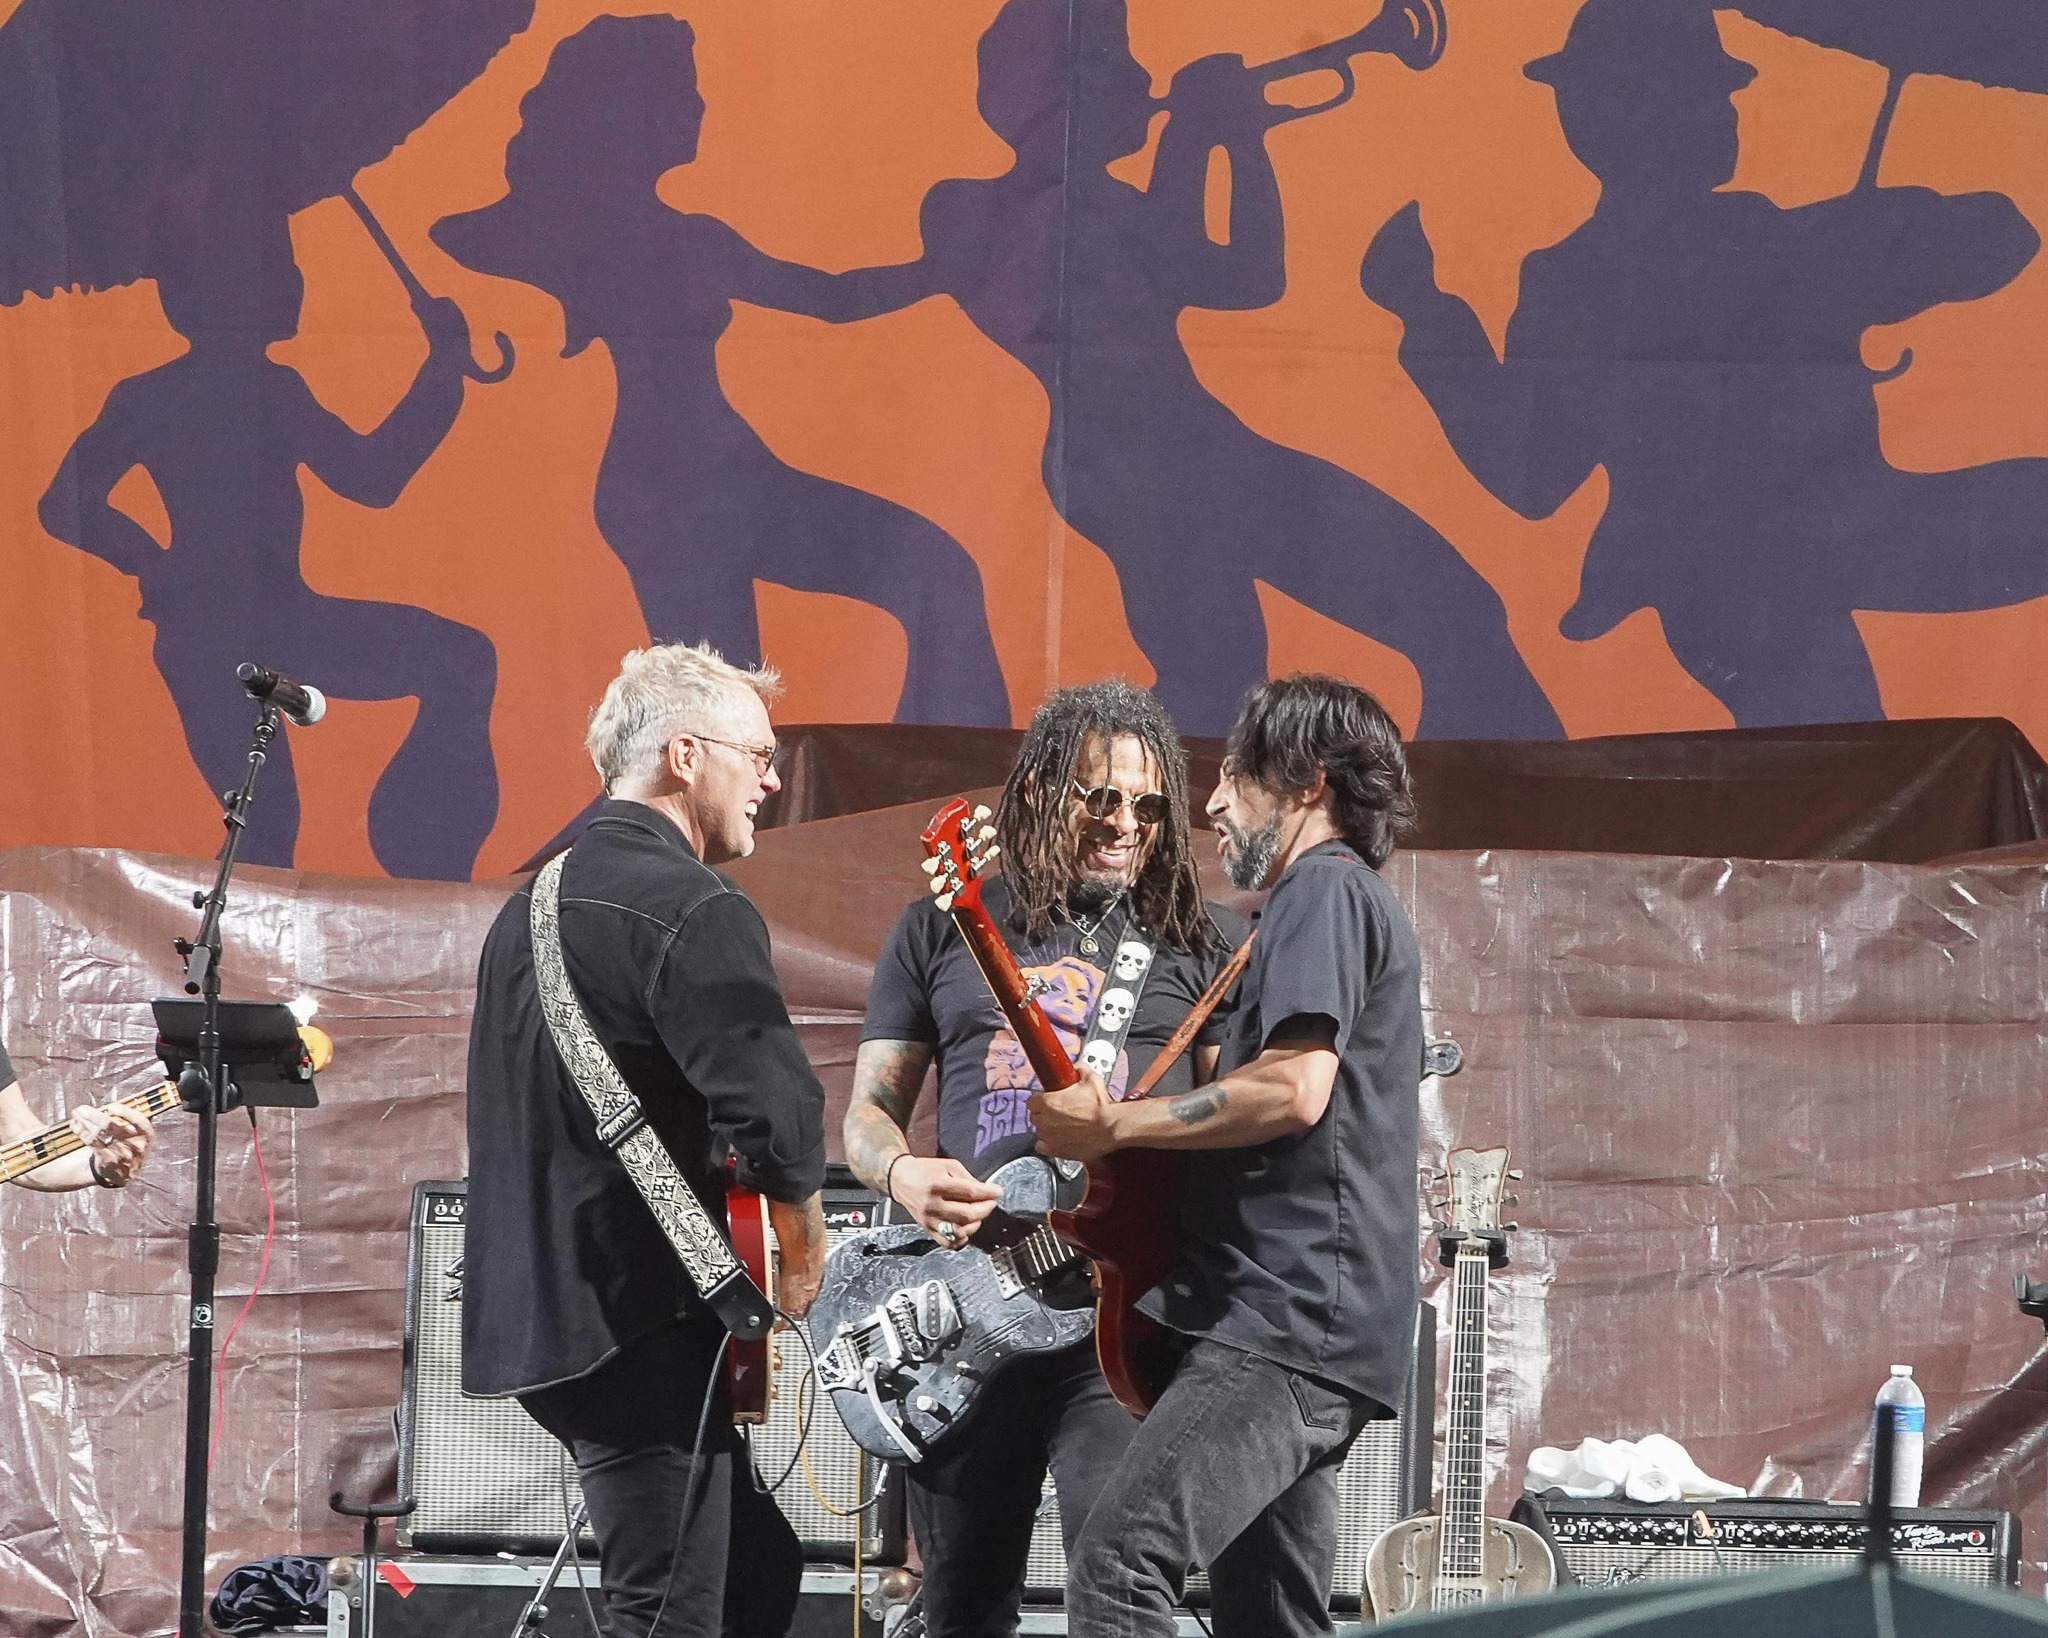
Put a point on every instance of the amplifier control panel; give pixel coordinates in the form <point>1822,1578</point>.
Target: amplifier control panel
<point>1706,1531</point>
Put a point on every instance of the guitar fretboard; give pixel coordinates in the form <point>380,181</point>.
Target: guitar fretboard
<point>1462,1561</point>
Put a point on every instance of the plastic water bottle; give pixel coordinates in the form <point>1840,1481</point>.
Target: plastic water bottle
<point>1901,1399</point>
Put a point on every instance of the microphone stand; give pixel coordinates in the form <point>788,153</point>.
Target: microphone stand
<point>203,1088</point>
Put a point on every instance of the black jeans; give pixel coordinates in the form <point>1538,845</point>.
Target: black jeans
<point>731,1568</point>
<point>973,1505</point>
<point>1235,1468</point>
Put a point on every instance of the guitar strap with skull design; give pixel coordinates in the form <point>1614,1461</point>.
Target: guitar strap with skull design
<point>1118,1003</point>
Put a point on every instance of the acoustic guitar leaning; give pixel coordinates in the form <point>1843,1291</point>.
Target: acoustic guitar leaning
<point>1460,1556</point>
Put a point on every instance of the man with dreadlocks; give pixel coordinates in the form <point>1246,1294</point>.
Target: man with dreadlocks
<point>1296,1287</point>
<point>1093,827</point>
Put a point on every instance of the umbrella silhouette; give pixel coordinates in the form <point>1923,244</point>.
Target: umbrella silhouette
<point>173,139</point>
<point>1869,1599</point>
<point>1861,1601</point>
<point>1993,42</point>
<point>132,126</point>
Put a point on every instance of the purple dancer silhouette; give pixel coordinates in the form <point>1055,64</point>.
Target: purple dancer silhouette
<point>693,502</point>
<point>1703,346</point>
<point>222,431</point>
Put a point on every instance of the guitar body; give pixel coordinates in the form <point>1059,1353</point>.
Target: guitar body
<point>1013,1291</point>
<point>750,1366</point>
<point>1129,1223</point>
<point>1402,1569</point>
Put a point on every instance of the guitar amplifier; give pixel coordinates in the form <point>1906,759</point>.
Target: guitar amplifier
<point>1386,1477</point>
<point>488,1478</point>
<point>1611,1543</point>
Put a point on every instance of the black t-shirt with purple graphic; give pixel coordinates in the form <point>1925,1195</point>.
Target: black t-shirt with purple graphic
<point>927,988</point>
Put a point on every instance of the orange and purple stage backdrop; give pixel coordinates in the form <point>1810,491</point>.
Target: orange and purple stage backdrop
<point>1552,368</point>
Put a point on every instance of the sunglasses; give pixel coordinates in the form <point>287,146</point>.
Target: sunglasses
<point>1106,801</point>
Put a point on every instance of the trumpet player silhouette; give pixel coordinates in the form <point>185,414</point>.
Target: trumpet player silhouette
<point>1082,278</point>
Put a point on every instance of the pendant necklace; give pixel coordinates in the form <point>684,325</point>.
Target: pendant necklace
<point>1089,944</point>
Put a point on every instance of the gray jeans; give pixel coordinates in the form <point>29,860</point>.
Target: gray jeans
<point>1236,1468</point>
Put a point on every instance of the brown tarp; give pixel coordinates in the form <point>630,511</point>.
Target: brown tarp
<point>1900,792</point>
<point>1783,1124</point>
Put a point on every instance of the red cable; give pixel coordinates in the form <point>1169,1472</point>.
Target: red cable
<point>262,1270</point>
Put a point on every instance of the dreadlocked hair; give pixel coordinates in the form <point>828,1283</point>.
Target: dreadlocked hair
<point>1032,819</point>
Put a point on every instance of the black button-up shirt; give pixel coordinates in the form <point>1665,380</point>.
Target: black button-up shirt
<point>563,1263</point>
<point>1303,1250</point>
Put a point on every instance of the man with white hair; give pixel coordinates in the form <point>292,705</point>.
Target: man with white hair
<point>572,1297</point>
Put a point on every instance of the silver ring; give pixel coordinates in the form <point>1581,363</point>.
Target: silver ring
<point>947,1232</point>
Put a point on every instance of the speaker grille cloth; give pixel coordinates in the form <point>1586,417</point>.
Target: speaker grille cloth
<point>1598,1565</point>
<point>485,1470</point>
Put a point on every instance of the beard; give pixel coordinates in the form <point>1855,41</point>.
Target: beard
<point>1249,859</point>
<point>1093,895</point>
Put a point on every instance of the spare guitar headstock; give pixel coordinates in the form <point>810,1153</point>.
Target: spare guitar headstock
<point>1472,1216</point>
<point>960,847</point>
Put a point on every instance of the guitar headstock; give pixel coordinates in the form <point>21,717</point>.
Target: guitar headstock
<point>1472,1214</point>
<point>960,847</point>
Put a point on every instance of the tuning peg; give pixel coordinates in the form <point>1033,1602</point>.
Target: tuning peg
<point>982,815</point>
<point>938,884</point>
<point>1517,1175</point>
<point>993,852</point>
<point>945,901</point>
<point>928,865</point>
<point>987,833</point>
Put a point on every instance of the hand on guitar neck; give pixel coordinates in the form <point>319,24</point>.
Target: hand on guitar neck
<point>800,1253</point>
<point>104,1146</point>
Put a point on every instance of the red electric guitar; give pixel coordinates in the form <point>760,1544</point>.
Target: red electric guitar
<point>1128,1220</point>
<point>750,1367</point>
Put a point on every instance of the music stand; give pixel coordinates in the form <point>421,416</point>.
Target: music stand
<point>263,1060</point>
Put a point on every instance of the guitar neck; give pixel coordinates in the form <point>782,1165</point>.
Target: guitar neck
<point>1463,1562</point>
<point>1041,1043</point>
<point>54,1142</point>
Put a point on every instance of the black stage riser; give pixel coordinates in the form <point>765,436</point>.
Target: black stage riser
<point>452,1598</point>
<point>488,1478</point>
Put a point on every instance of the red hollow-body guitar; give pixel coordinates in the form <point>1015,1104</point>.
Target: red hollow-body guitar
<point>1128,1219</point>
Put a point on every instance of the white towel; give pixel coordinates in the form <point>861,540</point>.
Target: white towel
<point>1653,1468</point>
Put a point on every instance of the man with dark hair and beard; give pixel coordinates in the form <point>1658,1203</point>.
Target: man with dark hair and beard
<point>1296,1291</point>
<point>1093,827</point>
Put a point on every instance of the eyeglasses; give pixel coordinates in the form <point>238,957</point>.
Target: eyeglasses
<point>763,755</point>
<point>1106,801</point>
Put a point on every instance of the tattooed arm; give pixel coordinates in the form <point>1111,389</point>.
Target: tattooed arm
<point>1284,1090</point>
<point>887,1076</point>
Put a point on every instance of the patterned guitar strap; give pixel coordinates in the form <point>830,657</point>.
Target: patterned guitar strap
<point>720,1278</point>
<point>1115,1008</point>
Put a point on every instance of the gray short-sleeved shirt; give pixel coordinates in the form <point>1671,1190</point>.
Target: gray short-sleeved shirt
<point>1304,1250</point>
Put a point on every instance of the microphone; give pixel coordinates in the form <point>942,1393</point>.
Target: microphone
<point>303,705</point>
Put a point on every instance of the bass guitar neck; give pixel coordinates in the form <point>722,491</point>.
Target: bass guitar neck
<point>54,1142</point>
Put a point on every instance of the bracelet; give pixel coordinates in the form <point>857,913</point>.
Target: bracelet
<point>92,1164</point>
<point>889,1176</point>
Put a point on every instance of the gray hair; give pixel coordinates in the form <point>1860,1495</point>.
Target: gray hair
<point>660,692</point>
